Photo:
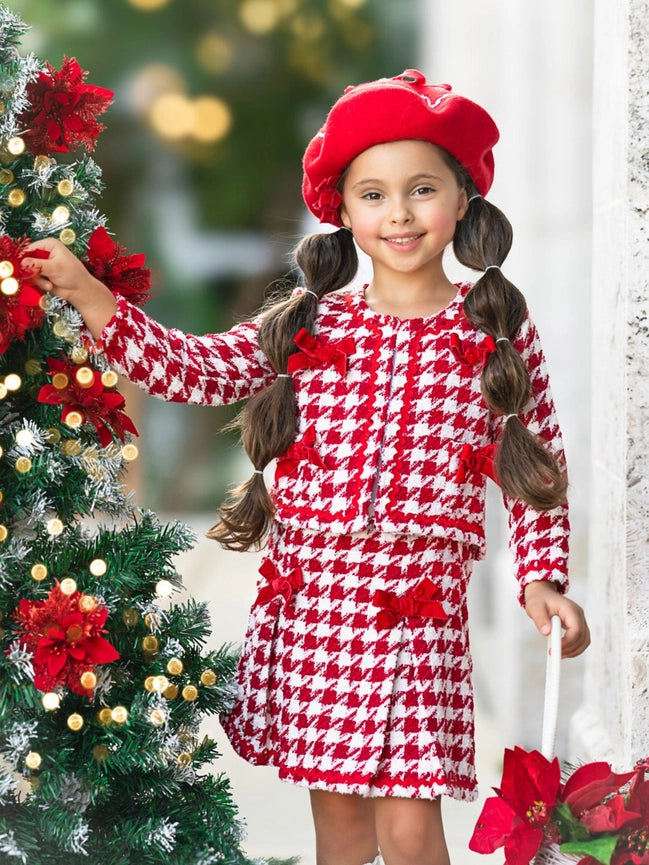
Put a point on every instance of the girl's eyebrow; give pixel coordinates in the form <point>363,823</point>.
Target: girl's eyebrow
<point>372,181</point>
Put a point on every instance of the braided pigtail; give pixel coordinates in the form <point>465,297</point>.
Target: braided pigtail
<point>268,422</point>
<point>526,469</point>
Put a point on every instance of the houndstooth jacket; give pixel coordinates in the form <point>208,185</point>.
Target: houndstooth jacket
<point>393,431</point>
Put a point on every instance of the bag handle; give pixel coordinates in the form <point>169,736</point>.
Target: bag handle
<point>552,682</point>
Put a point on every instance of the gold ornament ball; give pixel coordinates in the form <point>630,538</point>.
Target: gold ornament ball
<point>98,567</point>
<point>190,693</point>
<point>16,198</point>
<point>105,716</point>
<point>3,391</point>
<point>61,329</point>
<point>67,237</point>
<point>55,528</point>
<point>33,760</point>
<point>148,683</point>
<point>65,187</point>
<point>75,722</point>
<point>130,452</point>
<point>174,667</point>
<point>79,354</point>
<point>208,677</point>
<point>171,692</point>
<point>150,643</point>
<point>160,683</point>
<point>71,448</point>
<point>4,533</point>
<point>87,603</point>
<point>53,435</point>
<point>42,162</point>
<point>60,215</point>
<point>9,286</point>
<point>100,753</point>
<point>14,382</point>
<point>51,701</point>
<point>16,145</point>
<point>6,176</point>
<point>1,496</point>
<point>163,588</point>
<point>85,376</point>
<point>157,717</point>
<point>152,621</point>
<point>130,617</point>
<point>6,269</point>
<point>60,379</point>
<point>23,465</point>
<point>68,586</point>
<point>88,680</point>
<point>73,419</point>
<point>24,438</point>
<point>120,714</point>
<point>39,572</point>
<point>109,378</point>
<point>184,759</point>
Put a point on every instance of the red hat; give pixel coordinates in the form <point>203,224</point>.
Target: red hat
<point>393,109</point>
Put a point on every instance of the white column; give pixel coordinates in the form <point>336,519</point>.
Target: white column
<point>613,722</point>
<point>530,65</point>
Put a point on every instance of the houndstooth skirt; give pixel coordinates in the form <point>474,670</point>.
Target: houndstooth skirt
<point>355,673</point>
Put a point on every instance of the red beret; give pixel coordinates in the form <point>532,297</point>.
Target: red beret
<point>393,109</point>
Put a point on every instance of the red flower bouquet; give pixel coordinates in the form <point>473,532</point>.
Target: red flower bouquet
<point>64,634</point>
<point>20,300</point>
<point>124,274</point>
<point>596,816</point>
<point>62,110</point>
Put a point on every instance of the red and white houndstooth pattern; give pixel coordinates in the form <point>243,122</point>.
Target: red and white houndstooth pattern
<point>355,674</point>
<point>383,434</point>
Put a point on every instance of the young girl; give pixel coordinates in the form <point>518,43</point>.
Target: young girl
<point>385,407</point>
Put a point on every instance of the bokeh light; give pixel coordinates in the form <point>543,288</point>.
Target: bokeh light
<point>259,16</point>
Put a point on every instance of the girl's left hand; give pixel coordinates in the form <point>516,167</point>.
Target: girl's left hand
<point>542,601</point>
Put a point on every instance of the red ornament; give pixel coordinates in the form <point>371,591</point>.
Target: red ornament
<point>65,639</point>
<point>62,110</point>
<point>95,403</point>
<point>20,309</point>
<point>123,274</point>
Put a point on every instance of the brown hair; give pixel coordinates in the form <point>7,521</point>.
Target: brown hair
<point>526,469</point>
<point>268,422</point>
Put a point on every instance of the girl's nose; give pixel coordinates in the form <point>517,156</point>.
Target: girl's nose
<point>401,212</point>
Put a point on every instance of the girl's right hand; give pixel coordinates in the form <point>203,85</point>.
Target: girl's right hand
<point>64,275</point>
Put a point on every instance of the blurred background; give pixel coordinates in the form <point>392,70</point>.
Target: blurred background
<point>214,103</point>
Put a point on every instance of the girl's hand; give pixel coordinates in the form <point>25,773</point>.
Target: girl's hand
<point>64,275</point>
<point>542,601</point>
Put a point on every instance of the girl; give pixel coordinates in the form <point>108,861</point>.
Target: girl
<point>385,407</point>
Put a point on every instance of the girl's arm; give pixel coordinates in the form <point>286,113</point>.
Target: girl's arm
<point>214,369</point>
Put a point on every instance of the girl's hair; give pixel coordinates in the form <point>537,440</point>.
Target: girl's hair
<point>526,469</point>
<point>268,422</point>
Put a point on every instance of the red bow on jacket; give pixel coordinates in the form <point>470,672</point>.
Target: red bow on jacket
<point>302,450</point>
<point>480,460</point>
<point>314,353</point>
<point>420,601</point>
<point>469,354</point>
<point>277,584</point>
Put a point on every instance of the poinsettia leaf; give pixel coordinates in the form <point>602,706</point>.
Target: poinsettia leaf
<point>570,829</point>
<point>601,849</point>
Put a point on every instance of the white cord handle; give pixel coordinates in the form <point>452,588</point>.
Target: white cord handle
<point>552,682</point>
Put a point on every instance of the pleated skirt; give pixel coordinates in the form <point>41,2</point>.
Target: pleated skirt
<point>355,672</point>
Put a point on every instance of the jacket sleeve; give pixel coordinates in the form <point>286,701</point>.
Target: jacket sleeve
<point>538,539</point>
<point>215,369</point>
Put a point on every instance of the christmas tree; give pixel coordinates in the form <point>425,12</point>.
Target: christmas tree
<point>104,680</point>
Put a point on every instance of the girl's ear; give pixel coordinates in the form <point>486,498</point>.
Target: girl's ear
<point>463,205</point>
<point>344,217</point>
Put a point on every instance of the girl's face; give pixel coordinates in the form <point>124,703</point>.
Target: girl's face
<point>402,203</point>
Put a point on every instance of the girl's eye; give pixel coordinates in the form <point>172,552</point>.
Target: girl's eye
<point>372,196</point>
<point>424,190</point>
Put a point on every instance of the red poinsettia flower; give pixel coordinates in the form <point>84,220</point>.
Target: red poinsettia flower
<point>65,639</point>
<point>62,110</point>
<point>95,403</point>
<point>20,309</point>
<point>589,785</point>
<point>124,275</point>
<point>519,817</point>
